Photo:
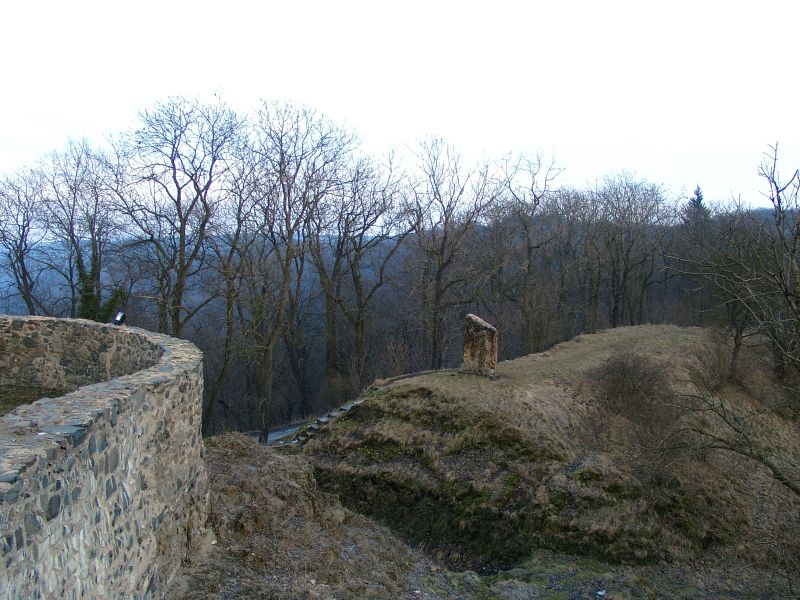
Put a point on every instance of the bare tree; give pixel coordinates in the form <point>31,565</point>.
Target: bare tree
<point>753,265</point>
<point>743,429</point>
<point>80,222</point>
<point>168,187</point>
<point>21,232</point>
<point>354,238</point>
<point>635,219</point>
<point>528,183</point>
<point>230,237</point>
<point>751,259</point>
<point>376,233</point>
<point>300,159</point>
<point>446,201</point>
<point>493,260</point>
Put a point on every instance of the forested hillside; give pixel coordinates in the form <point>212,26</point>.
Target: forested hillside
<point>305,268</point>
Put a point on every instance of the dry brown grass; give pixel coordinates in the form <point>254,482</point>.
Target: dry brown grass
<point>483,471</point>
<point>530,476</point>
<point>276,535</point>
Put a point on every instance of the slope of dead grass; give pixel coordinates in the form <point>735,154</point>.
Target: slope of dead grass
<point>449,485</point>
<point>276,535</point>
<point>483,472</point>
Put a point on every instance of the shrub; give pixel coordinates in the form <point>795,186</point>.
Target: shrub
<point>710,364</point>
<point>629,385</point>
<point>636,388</point>
<point>709,372</point>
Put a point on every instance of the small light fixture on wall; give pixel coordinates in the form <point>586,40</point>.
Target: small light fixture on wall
<point>119,318</point>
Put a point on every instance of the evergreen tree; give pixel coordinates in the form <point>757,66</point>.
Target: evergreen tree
<point>696,215</point>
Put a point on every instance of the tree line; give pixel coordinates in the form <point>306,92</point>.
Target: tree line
<point>305,268</point>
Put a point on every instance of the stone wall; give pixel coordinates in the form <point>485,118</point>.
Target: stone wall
<point>103,491</point>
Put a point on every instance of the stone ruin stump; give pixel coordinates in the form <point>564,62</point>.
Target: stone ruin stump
<point>480,346</point>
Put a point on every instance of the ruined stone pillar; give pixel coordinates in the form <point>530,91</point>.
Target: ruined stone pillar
<point>480,346</point>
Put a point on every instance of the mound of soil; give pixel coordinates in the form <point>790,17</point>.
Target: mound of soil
<point>482,473</point>
<point>533,485</point>
<point>274,534</point>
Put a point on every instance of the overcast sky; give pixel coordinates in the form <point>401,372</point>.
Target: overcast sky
<point>677,92</point>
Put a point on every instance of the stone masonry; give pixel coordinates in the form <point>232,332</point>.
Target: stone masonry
<point>480,346</point>
<point>103,491</point>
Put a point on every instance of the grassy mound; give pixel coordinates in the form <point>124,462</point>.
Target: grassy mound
<point>276,535</point>
<point>483,472</point>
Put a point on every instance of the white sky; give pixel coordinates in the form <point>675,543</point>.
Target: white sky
<point>677,92</point>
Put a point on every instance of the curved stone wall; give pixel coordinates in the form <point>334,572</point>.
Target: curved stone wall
<point>103,490</point>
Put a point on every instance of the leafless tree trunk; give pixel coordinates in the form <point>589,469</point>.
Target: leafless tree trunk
<point>636,215</point>
<point>754,261</point>
<point>528,182</point>
<point>358,233</point>
<point>229,241</point>
<point>80,220</point>
<point>300,161</point>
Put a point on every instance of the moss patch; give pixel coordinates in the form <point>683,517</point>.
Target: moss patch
<point>477,491</point>
<point>460,523</point>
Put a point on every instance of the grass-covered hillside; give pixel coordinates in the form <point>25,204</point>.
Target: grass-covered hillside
<point>623,461</point>
<point>562,452</point>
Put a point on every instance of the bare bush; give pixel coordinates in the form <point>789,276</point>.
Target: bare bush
<point>782,549</point>
<point>626,380</point>
<point>710,364</point>
<point>636,388</point>
<point>749,415</point>
<point>709,371</point>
